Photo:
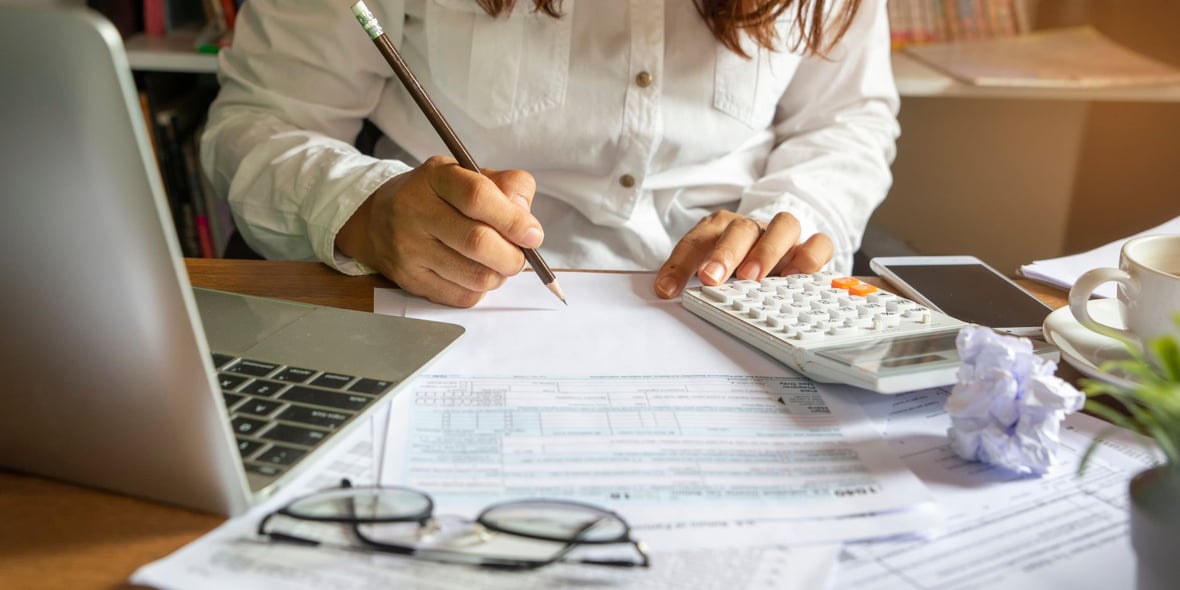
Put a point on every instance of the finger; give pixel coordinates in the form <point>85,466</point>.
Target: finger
<point>518,185</point>
<point>686,258</point>
<point>808,257</point>
<point>444,276</point>
<point>775,242</point>
<point>730,249</point>
<point>477,197</point>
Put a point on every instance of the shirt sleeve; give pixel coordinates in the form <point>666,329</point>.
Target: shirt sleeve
<point>296,86</point>
<point>835,131</point>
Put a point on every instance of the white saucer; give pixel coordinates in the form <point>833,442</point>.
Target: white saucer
<point>1084,348</point>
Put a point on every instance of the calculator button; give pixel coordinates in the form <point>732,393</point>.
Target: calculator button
<point>843,330</point>
<point>889,319</point>
<point>719,294</point>
<point>747,286</point>
<point>808,335</point>
<point>862,289</point>
<point>863,321</point>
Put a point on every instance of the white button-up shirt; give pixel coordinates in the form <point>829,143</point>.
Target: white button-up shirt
<point>634,119</point>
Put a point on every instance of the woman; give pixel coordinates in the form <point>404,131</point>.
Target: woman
<point>718,137</point>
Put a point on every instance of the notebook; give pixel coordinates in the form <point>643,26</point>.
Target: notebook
<point>117,374</point>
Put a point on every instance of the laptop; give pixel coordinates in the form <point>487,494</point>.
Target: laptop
<point>116,373</point>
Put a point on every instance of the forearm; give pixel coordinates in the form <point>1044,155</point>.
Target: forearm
<point>835,139</point>
<point>290,190</point>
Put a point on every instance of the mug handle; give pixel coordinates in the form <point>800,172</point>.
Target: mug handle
<point>1079,297</point>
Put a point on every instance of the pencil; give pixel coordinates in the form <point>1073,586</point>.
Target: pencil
<point>440,124</point>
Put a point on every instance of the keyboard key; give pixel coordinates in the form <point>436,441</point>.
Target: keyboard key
<point>229,382</point>
<point>263,388</point>
<point>371,386</point>
<point>319,397</point>
<point>294,375</point>
<point>259,407</point>
<point>268,470</point>
<point>247,425</point>
<point>253,368</point>
<point>221,360</point>
<point>231,399</point>
<point>280,455</point>
<point>322,418</point>
<point>248,447</point>
<point>295,435</point>
<point>332,380</point>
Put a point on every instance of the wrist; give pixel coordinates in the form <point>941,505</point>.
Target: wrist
<point>352,238</point>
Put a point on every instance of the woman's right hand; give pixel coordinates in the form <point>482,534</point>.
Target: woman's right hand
<point>444,232</point>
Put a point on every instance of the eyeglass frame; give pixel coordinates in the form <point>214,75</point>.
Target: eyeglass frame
<point>426,515</point>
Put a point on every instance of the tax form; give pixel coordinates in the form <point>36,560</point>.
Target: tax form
<point>232,557</point>
<point>630,402</point>
<point>1004,530</point>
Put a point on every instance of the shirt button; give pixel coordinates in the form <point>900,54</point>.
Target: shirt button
<point>643,79</point>
<point>627,181</point>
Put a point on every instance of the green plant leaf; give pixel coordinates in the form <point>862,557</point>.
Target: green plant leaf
<point>1147,395</point>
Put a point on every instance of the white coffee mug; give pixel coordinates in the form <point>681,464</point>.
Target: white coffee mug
<point>1148,280</point>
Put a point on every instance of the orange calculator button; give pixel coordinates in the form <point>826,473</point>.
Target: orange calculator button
<point>862,289</point>
<point>845,282</point>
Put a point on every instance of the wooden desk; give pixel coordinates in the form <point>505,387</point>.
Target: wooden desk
<point>57,535</point>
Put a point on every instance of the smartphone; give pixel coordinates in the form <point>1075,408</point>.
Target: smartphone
<point>965,288</point>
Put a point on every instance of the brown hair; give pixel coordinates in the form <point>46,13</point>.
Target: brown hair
<point>728,19</point>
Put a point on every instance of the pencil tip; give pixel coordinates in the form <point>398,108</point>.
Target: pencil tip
<point>553,286</point>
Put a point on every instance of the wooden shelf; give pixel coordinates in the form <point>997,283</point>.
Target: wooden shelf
<point>173,53</point>
<point>915,79</point>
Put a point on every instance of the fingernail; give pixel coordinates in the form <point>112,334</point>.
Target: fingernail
<point>751,270</point>
<point>532,237</point>
<point>666,287</point>
<point>714,271</point>
<point>519,200</point>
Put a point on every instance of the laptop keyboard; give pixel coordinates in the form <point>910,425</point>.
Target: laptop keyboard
<point>280,413</point>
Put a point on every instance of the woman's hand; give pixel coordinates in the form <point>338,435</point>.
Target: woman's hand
<point>725,243</point>
<point>446,233</point>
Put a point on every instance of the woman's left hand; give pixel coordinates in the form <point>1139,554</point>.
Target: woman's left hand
<point>725,243</point>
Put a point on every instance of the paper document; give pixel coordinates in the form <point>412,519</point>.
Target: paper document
<point>1063,272</point>
<point>631,402</point>
<point>1004,531</point>
<point>233,557</point>
<point>671,454</point>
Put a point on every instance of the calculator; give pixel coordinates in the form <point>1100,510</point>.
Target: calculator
<point>838,329</point>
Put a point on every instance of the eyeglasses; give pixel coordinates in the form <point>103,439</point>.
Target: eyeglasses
<point>517,535</point>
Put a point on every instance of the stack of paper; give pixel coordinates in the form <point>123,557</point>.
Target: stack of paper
<point>1062,272</point>
<point>735,472</point>
<point>1078,57</point>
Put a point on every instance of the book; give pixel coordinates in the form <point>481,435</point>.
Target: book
<point>154,19</point>
<point>1074,57</point>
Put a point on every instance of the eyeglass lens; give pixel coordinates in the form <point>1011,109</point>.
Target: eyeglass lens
<point>555,521</point>
<point>363,504</point>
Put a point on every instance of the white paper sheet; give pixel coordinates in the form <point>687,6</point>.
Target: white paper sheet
<point>1063,272</point>
<point>678,426</point>
<point>232,557</point>
<point>614,325</point>
<point>666,452</point>
<point>1004,531</point>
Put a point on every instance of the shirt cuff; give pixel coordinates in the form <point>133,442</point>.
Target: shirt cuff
<point>369,181</point>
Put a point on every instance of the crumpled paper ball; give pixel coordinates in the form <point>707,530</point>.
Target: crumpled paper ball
<point>1007,406</point>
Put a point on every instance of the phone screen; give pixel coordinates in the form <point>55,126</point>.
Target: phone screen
<point>974,293</point>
